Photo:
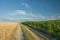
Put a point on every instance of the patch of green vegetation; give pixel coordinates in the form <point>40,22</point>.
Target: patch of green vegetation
<point>51,28</point>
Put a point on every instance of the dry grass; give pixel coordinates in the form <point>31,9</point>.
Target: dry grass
<point>29,35</point>
<point>8,30</point>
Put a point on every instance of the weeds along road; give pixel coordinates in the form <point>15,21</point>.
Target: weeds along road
<point>32,34</point>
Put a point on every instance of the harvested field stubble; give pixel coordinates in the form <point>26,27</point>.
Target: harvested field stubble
<point>8,31</point>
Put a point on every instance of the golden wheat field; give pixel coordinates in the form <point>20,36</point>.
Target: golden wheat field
<point>9,31</point>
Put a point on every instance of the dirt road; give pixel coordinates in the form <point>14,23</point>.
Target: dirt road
<point>31,34</point>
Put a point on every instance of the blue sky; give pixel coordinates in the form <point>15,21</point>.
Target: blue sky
<point>29,10</point>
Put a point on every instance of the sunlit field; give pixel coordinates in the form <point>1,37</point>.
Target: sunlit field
<point>9,31</point>
<point>29,19</point>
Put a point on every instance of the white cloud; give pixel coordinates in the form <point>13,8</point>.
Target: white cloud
<point>59,17</point>
<point>51,18</point>
<point>25,4</point>
<point>21,19</point>
<point>39,16</point>
<point>43,17</point>
<point>20,12</point>
<point>26,15</point>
